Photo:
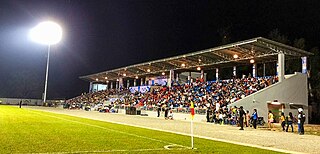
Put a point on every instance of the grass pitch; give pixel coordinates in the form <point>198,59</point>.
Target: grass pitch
<point>30,131</point>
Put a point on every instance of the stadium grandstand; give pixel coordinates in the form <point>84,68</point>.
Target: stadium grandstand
<point>175,80</point>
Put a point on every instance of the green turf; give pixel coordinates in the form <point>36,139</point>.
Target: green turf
<point>30,131</point>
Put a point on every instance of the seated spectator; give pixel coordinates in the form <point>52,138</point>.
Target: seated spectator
<point>170,115</point>
<point>214,95</point>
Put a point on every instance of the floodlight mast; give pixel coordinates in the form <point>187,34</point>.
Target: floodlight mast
<point>47,74</point>
<point>47,33</point>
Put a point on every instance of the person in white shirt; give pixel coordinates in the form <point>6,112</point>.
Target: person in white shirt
<point>217,106</point>
<point>170,116</point>
<point>301,120</point>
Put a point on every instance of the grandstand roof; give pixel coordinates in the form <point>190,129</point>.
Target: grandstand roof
<point>260,49</point>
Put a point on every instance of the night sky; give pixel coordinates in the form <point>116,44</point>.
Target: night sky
<point>104,34</point>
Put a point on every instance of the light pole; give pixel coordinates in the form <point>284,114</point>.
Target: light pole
<point>47,33</point>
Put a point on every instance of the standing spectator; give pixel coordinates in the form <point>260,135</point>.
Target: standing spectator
<point>283,121</point>
<point>254,118</point>
<point>159,109</point>
<point>270,120</point>
<point>301,120</point>
<point>209,112</point>
<point>289,121</point>
<point>166,111</point>
<point>247,119</point>
<point>241,117</point>
<point>220,118</point>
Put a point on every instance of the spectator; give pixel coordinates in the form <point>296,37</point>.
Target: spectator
<point>283,121</point>
<point>170,115</point>
<point>289,121</point>
<point>241,117</point>
<point>209,113</point>
<point>270,120</point>
<point>254,118</point>
<point>247,119</point>
<point>301,120</point>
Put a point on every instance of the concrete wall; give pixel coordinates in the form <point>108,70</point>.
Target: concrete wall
<point>176,116</point>
<point>33,102</point>
<point>292,92</point>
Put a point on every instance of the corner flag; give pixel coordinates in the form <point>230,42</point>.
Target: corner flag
<point>192,110</point>
<point>192,116</point>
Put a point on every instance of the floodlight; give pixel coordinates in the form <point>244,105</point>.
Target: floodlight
<point>47,33</point>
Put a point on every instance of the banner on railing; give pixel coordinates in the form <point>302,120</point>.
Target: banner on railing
<point>304,64</point>
<point>142,89</point>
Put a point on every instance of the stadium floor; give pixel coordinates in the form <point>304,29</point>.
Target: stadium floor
<point>271,140</point>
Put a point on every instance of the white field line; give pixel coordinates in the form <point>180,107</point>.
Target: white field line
<point>108,151</point>
<point>121,132</point>
<point>215,139</point>
<point>186,134</point>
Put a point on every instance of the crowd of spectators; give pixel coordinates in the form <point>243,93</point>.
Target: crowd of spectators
<point>209,98</point>
<point>98,101</point>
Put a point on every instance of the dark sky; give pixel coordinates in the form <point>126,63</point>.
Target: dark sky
<point>104,34</point>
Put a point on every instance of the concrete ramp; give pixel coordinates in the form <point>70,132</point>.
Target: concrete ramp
<point>285,96</point>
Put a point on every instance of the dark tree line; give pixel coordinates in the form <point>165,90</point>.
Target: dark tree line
<point>23,84</point>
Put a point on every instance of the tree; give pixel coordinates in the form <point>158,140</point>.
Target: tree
<point>225,34</point>
<point>277,36</point>
<point>314,85</point>
<point>315,69</point>
<point>25,84</point>
<point>294,65</point>
<point>299,43</point>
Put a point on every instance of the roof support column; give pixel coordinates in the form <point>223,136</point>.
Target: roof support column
<point>177,77</point>
<point>264,69</point>
<point>117,85</point>
<point>171,77</point>
<point>141,82</point>
<point>235,71</point>
<point>217,74</point>
<point>111,85</point>
<point>280,70</point>
<point>97,87</point>
<point>107,85</point>
<point>134,82</point>
<point>120,83</point>
<point>304,65</point>
<point>189,78</point>
<point>254,70</point>
<point>146,82</point>
<point>128,84</point>
<point>202,74</point>
<point>90,87</point>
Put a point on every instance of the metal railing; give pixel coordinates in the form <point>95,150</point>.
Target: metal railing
<point>186,110</point>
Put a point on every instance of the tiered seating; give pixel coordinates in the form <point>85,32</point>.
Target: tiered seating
<point>214,95</point>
